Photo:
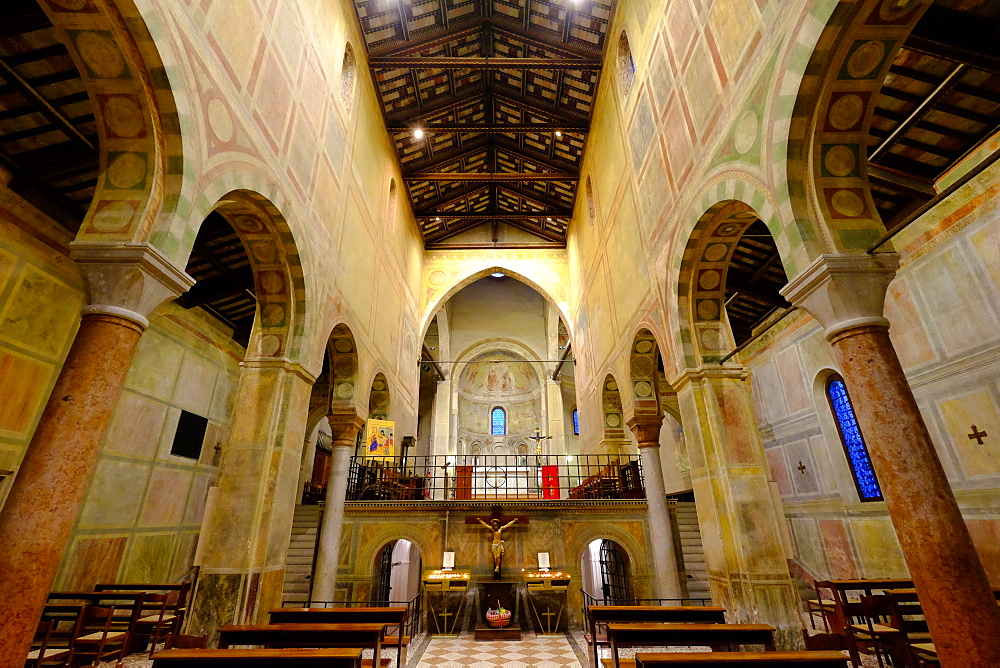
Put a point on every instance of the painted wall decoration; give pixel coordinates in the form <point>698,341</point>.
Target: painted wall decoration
<point>379,442</point>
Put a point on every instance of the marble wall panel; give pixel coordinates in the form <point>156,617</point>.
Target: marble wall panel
<point>180,568</point>
<point>961,415</point>
<point>149,558</point>
<point>957,312</point>
<point>137,426</point>
<point>41,313</point>
<point>92,561</point>
<point>166,497</point>
<point>986,537</point>
<point>810,550</point>
<point>806,480</point>
<point>779,471</point>
<point>987,244</point>
<point>839,552</point>
<point>115,495</point>
<point>790,371</point>
<point>734,22</point>
<point>194,511</point>
<point>768,387</point>
<point>878,549</point>
<point>20,410</point>
<point>907,332</point>
<point>195,384</point>
<point>155,365</point>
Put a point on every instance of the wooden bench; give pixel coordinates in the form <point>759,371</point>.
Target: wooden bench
<point>716,636</point>
<point>367,636</point>
<point>727,659</point>
<point>394,616</point>
<point>603,614</point>
<point>258,658</point>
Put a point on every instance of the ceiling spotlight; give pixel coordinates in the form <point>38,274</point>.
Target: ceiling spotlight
<point>418,134</point>
<point>558,133</point>
<point>437,220</point>
<point>497,274</point>
<point>548,220</point>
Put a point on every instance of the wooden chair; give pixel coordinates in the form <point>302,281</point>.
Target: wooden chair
<point>94,641</point>
<point>824,607</point>
<point>45,655</point>
<point>181,641</point>
<point>156,626</point>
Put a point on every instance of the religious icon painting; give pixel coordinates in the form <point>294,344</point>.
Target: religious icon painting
<point>379,441</point>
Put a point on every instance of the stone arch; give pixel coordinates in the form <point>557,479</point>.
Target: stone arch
<point>826,166</point>
<point>474,275</point>
<point>633,549</point>
<point>343,354</point>
<point>371,547</point>
<point>646,381</point>
<point>379,399</point>
<point>277,269</point>
<point>140,151</point>
<point>611,407</point>
<point>478,350</point>
<point>703,333</point>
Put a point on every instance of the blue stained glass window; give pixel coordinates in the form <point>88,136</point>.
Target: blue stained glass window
<point>854,442</point>
<point>576,423</point>
<point>498,422</point>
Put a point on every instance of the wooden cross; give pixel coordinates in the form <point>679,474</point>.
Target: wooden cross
<point>802,468</point>
<point>977,435</point>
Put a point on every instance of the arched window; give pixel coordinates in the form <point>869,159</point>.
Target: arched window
<point>626,66</point>
<point>498,422</point>
<point>854,442</point>
<point>576,422</point>
<point>348,72</point>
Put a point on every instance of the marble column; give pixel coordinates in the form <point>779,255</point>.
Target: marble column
<point>661,535</point>
<point>740,527</point>
<point>249,527</point>
<point>846,294</point>
<point>126,283</point>
<point>345,427</point>
<point>556,420</point>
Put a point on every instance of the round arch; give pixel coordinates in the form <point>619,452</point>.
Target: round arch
<point>371,547</point>
<point>135,116</point>
<point>343,354</point>
<point>579,542</point>
<point>379,398</point>
<point>472,276</point>
<point>826,170</point>
<point>646,381</point>
<point>506,345</point>
<point>611,406</point>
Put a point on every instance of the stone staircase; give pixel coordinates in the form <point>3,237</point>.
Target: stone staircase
<point>301,553</point>
<point>692,550</point>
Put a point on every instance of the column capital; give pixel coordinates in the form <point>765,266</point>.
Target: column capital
<point>646,429</point>
<point>344,426</point>
<point>708,372</point>
<point>127,280</point>
<point>844,291</point>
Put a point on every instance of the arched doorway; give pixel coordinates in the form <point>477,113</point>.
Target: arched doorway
<point>396,577</point>
<point>605,572</point>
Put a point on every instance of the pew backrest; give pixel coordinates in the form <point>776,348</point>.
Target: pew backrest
<point>725,659</point>
<point>258,658</point>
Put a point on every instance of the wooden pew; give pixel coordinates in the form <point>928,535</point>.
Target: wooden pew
<point>306,635</point>
<point>673,614</point>
<point>727,659</point>
<point>258,658</point>
<point>389,615</point>
<point>685,635</point>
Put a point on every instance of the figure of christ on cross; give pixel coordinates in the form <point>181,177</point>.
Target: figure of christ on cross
<point>497,526</point>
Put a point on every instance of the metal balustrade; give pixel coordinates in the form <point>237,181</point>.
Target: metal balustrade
<point>495,477</point>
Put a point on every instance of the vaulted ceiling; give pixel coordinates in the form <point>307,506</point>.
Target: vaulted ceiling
<point>502,92</point>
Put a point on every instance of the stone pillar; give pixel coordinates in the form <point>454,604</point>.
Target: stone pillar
<point>647,432</point>
<point>740,527</point>
<point>846,294</point>
<point>345,427</point>
<point>556,420</point>
<point>126,283</point>
<point>247,532</point>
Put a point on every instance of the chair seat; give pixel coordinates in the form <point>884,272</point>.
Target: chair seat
<point>152,619</point>
<point>825,602</point>
<point>876,628</point>
<point>50,653</point>
<point>96,637</point>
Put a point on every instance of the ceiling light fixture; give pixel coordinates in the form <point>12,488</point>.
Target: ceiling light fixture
<point>418,134</point>
<point>558,133</point>
<point>497,274</point>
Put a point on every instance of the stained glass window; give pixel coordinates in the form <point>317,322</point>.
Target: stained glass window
<point>576,423</point>
<point>854,442</point>
<point>498,421</point>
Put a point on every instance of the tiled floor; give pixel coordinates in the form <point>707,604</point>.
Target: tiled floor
<point>531,650</point>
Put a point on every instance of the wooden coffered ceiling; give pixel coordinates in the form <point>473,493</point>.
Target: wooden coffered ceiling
<point>48,137</point>
<point>503,92</point>
<point>940,101</point>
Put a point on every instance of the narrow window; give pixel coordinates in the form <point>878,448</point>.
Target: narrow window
<point>190,436</point>
<point>854,442</point>
<point>498,422</point>
<point>576,422</point>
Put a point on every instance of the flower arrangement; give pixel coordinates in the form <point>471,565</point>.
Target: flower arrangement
<point>498,618</point>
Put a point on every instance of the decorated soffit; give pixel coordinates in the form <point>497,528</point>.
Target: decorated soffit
<point>502,92</point>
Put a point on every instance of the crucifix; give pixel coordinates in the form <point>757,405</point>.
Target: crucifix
<point>497,524</point>
<point>977,435</point>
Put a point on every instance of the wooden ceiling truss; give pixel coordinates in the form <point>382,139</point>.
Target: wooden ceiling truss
<point>502,91</point>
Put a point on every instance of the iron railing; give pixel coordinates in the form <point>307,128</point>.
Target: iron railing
<point>477,477</point>
<point>414,624</point>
